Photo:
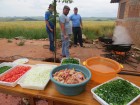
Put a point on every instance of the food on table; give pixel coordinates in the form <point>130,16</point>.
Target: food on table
<point>69,76</point>
<point>70,60</point>
<point>14,74</point>
<point>38,76</point>
<point>4,68</point>
<point>103,68</point>
<point>117,92</point>
<point>21,61</point>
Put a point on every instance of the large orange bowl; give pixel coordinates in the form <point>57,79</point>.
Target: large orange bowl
<point>102,69</point>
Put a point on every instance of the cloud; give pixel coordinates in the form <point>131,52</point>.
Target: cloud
<point>87,8</point>
<point>93,8</point>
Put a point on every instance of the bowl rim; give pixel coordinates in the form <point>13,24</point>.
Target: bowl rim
<point>101,101</point>
<point>99,57</point>
<point>70,85</point>
<point>70,58</point>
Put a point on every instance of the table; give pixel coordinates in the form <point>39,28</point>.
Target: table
<point>55,98</point>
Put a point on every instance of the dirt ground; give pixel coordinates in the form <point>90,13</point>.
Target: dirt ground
<point>39,50</point>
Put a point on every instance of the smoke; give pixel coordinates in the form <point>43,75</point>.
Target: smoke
<point>121,36</point>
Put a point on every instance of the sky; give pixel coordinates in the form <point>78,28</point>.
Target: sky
<point>87,8</point>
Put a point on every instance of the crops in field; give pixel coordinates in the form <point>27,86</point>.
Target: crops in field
<point>94,29</point>
<point>37,30</point>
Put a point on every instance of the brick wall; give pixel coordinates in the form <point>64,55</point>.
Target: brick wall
<point>131,19</point>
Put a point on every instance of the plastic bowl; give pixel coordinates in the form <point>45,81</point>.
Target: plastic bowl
<point>69,58</point>
<point>102,69</point>
<point>71,89</point>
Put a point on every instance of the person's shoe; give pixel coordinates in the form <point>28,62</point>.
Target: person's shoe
<point>63,55</point>
<point>52,50</point>
<point>83,46</point>
<point>75,45</point>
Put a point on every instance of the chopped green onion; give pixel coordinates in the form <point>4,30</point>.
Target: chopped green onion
<point>117,92</point>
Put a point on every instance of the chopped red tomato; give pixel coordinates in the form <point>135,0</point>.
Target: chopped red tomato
<point>14,74</point>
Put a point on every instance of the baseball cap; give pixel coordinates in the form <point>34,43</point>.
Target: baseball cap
<point>66,7</point>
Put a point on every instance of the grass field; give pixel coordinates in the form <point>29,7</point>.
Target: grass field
<point>37,30</point>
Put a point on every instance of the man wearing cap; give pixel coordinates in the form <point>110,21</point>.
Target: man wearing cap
<point>50,26</point>
<point>66,31</point>
<point>76,27</point>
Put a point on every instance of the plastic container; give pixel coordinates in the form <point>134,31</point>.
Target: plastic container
<point>10,64</point>
<point>35,81</point>
<point>12,84</point>
<point>101,101</point>
<point>71,89</point>
<point>21,61</point>
<point>70,58</point>
<point>102,69</point>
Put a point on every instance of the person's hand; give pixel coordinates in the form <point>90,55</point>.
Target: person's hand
<point>82,27</point>
<point>65,36</point>
<point>51,29</point>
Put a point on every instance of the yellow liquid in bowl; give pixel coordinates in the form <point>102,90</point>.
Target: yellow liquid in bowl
<point>102,68</point>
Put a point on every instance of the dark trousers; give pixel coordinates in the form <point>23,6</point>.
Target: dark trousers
<point>77,32</point>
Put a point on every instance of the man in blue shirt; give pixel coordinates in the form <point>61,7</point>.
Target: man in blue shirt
<point>50,26</point>
<point>76,27</point>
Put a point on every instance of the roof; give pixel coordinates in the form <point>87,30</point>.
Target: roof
<point>114,1</point>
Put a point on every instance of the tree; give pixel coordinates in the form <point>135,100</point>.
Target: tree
<point>55,15</point>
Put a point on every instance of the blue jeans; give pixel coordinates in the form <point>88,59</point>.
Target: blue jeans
<point>65,46</point>
<point>51,39</point>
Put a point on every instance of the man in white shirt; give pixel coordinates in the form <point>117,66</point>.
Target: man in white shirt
<point>66,31</point>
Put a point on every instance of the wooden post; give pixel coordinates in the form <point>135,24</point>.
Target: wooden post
<point>55,30</point>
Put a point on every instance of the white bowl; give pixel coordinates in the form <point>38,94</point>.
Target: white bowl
<point>101,101</point>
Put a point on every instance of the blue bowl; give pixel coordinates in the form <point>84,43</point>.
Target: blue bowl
<point>71,89</point>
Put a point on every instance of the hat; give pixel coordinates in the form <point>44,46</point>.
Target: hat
<point>75,8</point>
<point>66,7</point>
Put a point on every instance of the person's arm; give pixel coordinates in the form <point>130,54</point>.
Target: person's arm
<point>47,22</point>
<point>62,25</point>
<point>70,17</point>
<point>48,25</point>
<point>81,23</point>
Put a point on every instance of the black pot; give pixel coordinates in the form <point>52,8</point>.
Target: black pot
<point>119,47</point>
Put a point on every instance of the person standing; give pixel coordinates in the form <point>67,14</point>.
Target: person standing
<point>50,26</point>
<point>77,27</point>
<point>66,31</point>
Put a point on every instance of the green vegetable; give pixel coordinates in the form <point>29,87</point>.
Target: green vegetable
<point>118,92</point>
<point>70,60</point>
<point>4,68</point>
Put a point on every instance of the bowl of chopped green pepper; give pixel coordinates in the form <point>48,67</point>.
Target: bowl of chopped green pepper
<point>116,92</point>
<point>70,61</point>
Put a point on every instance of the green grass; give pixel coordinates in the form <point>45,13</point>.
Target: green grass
<point>94,29</point>
<point>37,30</point>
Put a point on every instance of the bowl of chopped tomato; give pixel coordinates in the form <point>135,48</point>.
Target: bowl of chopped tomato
<point>70,79</point>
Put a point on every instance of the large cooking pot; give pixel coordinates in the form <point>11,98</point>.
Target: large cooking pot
<point>102,69</point>
<point>119,47</point>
